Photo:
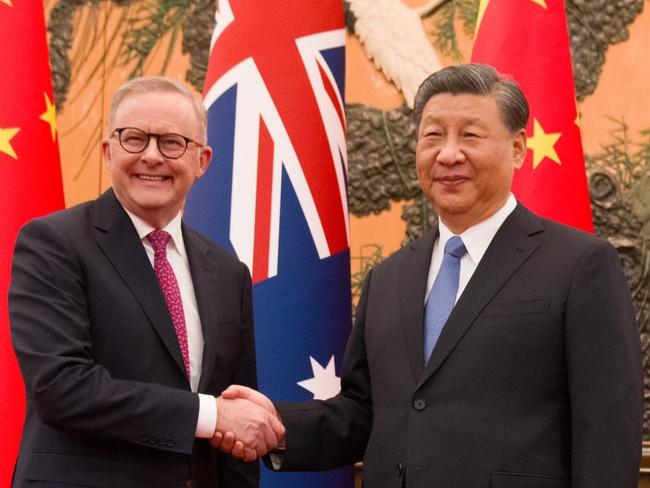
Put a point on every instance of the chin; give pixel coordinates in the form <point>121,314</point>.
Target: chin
<point>151,203</point>
<point>452,206</point>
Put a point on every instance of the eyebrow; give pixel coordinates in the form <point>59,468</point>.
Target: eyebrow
<point>466,121</point>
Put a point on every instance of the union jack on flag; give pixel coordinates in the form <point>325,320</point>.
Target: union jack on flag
<point>275,194</point>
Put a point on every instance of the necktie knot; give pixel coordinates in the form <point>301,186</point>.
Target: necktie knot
<point>455,247</point>
<point>159,239</point>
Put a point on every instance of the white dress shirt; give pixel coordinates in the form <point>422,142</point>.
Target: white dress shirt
<point>177,257</point>
<point>476,239</point>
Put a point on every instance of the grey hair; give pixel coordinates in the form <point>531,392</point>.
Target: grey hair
<point>146,84</point>
<point>476,79</point>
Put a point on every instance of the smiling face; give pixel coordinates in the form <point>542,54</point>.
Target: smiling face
<point>465,157</point>
<point>148,184</point>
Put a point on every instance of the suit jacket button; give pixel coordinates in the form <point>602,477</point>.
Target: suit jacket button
<point>399,469</point>
<point>419,404</point>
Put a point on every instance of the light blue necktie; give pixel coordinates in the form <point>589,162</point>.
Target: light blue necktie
<point>443,294</point>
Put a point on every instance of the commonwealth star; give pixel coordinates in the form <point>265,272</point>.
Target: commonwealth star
<point>325,384</point>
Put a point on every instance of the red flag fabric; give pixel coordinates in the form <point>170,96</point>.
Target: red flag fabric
<point>528,39</point>
<point>30,182</point>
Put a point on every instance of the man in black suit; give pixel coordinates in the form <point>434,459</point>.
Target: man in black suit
<point>535,379</point>
<point>127,324</point>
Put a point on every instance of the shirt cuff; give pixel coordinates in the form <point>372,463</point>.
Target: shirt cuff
<point>277,458</point>
<point>207,421</point>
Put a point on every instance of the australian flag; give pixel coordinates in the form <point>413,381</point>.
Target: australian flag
<point>275,194</point>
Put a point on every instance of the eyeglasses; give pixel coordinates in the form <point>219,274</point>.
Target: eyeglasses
<point>171,146</point>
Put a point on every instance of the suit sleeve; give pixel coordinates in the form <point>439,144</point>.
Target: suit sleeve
<point>604,373</point>
<point>52,337</point>
<point>331,433</point>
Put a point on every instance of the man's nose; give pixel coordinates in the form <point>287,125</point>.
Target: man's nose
<point>151,152</point>
<point>450,152</point>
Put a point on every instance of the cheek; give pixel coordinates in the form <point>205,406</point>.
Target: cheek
<point>423,161</point>
<point>423,173</point>
<point>495,178</point>
<point>116,169</point>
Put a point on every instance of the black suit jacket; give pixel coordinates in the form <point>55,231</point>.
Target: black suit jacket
<point>535,381</point>
<point>108,402</point>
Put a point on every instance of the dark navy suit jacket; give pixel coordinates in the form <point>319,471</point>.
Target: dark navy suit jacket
<point>535,382</point>
<point>108,402</point>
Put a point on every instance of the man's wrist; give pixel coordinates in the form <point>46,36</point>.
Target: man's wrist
<point>206,423</point>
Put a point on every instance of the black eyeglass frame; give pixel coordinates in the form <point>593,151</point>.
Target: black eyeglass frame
<point>187,140</point>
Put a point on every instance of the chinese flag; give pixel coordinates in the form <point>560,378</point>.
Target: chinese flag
<point>528,39</point>
<point>30,181</point>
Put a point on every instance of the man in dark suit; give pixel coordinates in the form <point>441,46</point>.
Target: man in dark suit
<point>127,324</point>
<point>535,379</point>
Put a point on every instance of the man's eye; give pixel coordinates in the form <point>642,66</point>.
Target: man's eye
<point>134,138</point>
<point>172,142</point>
<point>130,138</point>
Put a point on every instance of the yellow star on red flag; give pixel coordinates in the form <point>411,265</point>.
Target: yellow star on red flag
<point>31,175</point>
<point>49,115</point>
<point>5,141</point>
<point>577,121</point>
<point>548,84</point>
<point>482,7</point>
<point>542,144</point>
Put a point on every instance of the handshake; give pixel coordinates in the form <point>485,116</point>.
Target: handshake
<point>248,425</point>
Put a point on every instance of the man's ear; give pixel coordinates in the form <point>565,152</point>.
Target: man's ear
<point>519,148</point>
<point>205,157</point>
<point>106,152</point>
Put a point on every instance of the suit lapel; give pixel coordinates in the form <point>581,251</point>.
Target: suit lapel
<point>206,288</point>
<point>414,271</point>
<point>119,241</point>
<point>510,248</point>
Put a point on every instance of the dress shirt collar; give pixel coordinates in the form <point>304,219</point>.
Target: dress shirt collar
<point>173,228</point>
<point>478,237</point>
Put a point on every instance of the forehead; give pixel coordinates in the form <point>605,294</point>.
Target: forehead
<point>157,111</point>
<point>461,108</point>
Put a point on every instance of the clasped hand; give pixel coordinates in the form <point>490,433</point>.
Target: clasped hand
<point>248,425</point>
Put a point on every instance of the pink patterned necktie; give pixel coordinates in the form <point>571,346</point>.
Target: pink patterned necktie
<point>169,285</point>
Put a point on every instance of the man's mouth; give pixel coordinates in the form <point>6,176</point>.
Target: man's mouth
<point>152,177</point>
<point>451,179</point>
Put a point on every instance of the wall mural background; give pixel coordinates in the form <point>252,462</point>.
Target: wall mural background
<point>95,45</point>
